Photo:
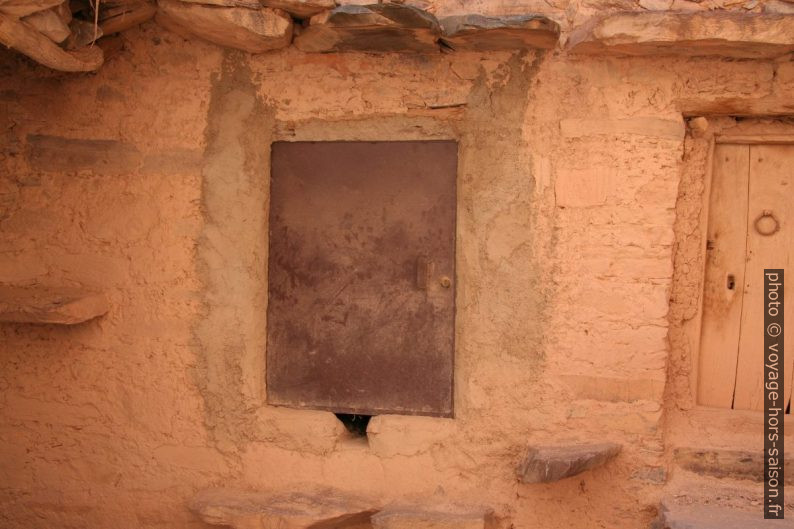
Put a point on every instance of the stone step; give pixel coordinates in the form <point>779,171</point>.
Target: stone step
<point>727,463</point>
<point>545,464</point>
<point>324,508</point>
<point>321,509</point>
<point>418,519</point>
<point>65,306</point>
<point>696,516</point>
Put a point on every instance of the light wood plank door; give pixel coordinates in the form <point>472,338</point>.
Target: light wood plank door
<point>749,182</point>
<point>725,257</point>
<point>770,206</point>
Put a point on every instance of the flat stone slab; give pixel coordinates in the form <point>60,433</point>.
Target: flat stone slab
<point>717,33</point>
<point>735,464</point>
<point>301,8</point>
<point>545,464</point>
<point>322,509</point>
<point>673,516</point>
<point>414,519</point>
<point>65,306</point>
<point>251,30</point>
<point>489,33</point>
<point>371,28</point>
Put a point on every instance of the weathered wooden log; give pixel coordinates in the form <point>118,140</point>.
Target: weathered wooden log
<point>26,40</point>
<point>21,8</point>
<point>50,23</point>
<point>121,18</point>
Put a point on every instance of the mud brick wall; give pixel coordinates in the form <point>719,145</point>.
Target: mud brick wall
<point>148,180</point>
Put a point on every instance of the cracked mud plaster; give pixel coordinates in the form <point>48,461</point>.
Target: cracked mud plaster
<point>232,252</point>
<point>497,208</point>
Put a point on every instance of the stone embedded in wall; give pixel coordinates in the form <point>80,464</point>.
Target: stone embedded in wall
<point>66,306</point>
<point>251,30</point>
<point>301,8</point>
<point>724,463</point>
<point>250,4</point>
<point>672,516</point>
<point>701,33</point>
<point>417,519</point>
<point>779,7</point>
<point>656,5</point>
<point>372,28</point>
<point>488,33</point>
<point>54,154</point>
<point>698,126</point>
<point>244,509</point>
<point>545,464</point>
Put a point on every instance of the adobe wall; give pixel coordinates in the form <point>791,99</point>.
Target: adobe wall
<point>568,179</point>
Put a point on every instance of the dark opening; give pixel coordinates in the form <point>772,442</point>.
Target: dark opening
<point>355,424</point>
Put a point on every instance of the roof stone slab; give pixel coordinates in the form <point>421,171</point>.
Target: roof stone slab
<point>371,28</point>
<point>481,33</point>
<point>691,34</point>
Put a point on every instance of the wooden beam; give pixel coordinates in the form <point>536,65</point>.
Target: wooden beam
<point>26,40</point>
<point>21,8</point>
<point>758,139</point>
<point>724,279</point>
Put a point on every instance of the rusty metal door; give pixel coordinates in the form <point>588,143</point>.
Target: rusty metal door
<point>362,276</point>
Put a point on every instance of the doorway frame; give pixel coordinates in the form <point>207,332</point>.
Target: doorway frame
<point>693,327</point>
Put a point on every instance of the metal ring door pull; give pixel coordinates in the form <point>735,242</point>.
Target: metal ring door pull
<point>767,224</point>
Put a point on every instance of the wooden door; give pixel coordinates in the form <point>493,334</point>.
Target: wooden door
<point>750,228</point>
<point>361,276</point>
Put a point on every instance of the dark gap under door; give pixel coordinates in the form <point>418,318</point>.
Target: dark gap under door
<point>362,276</point>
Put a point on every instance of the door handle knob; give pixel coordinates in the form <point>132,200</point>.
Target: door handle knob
<point>767,224</point>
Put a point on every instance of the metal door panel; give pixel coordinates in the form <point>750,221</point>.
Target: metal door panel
<point>361,276</point>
